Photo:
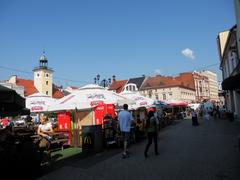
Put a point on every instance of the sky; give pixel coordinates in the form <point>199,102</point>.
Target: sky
<point>125,38</point>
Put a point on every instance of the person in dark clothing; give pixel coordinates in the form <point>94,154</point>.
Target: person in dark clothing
<point>194,118</point>
<point>152,130</point>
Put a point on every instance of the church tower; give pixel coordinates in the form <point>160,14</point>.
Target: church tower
<point>43,76</point>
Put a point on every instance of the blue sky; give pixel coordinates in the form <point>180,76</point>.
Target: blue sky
<point>127,38</point>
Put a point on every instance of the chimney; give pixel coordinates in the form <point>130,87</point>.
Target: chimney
<point>113,78</point>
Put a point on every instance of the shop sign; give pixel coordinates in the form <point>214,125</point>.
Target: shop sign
<point>96,96</point>
<point>95,103</point>
<point>143,103</point>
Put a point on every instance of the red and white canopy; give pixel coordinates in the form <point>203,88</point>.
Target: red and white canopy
<point>39,102</point>
<point>140,100</point>
<point>88,97</point>
<point>176,103</point>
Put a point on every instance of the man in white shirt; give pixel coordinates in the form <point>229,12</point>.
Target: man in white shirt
<point>125,119</point>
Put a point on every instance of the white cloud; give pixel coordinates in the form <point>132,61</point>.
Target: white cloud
<point>188,53</point>
<point>157,71</point>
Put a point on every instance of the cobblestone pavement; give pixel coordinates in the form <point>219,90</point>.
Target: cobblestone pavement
<point>205,152</point>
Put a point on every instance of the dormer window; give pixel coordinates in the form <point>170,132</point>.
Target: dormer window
<point>134,89</point>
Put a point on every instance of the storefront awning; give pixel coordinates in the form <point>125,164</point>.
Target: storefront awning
<point>231,83</point>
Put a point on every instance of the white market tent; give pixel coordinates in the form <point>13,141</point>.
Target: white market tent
<point>88,97</point>
<point>141,101</point>
<point>39,102</point>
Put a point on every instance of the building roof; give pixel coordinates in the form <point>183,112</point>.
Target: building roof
<point>29,88</point>
<point>28,85</point>
<point>138,81</point>
<point>163,82</point>
<point>187,79</point>
<point>118,85</point>
<point>56,93</point>
<point>74,87</point>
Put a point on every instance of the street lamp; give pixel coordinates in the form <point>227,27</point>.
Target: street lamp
<point>104,82</point>
<point>98,78</point>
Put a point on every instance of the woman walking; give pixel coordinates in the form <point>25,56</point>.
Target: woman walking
<point>151,129</point>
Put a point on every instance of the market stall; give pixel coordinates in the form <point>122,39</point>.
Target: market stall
<point>87,106</point>
<point>176,108</point>
<point>139,112</point>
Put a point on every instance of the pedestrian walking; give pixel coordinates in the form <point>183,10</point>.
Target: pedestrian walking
<point>152,130</point>
<point>194,118</point>
<point>125,119</point>
<point>205,114</point>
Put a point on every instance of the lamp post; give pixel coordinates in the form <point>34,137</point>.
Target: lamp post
<point>104,82</point>
<point>98,78</point>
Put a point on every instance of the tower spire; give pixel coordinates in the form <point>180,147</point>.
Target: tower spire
<point>43,61</point>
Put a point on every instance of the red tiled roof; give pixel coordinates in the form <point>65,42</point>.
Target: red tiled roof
<point>163,82</point>
<point>56,93</point>
<point>29,88</point>
<point>118,85</point>
<point>187,79</point>
<point>28,85</point>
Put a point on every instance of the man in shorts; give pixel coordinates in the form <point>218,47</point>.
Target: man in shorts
<point>125,119</point>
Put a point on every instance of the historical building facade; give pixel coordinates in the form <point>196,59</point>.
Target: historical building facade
<point>230,66</point>
<point>198,82</point>
<point>167,88</point>
<point>213,84</point>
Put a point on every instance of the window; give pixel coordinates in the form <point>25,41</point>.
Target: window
<point>155,90</point>
<point>47,75</point>
<point>156,96</point>
<point>38,75</point>
<point>46,92</point>
<point>164,96</point>
<point>46,82</point>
